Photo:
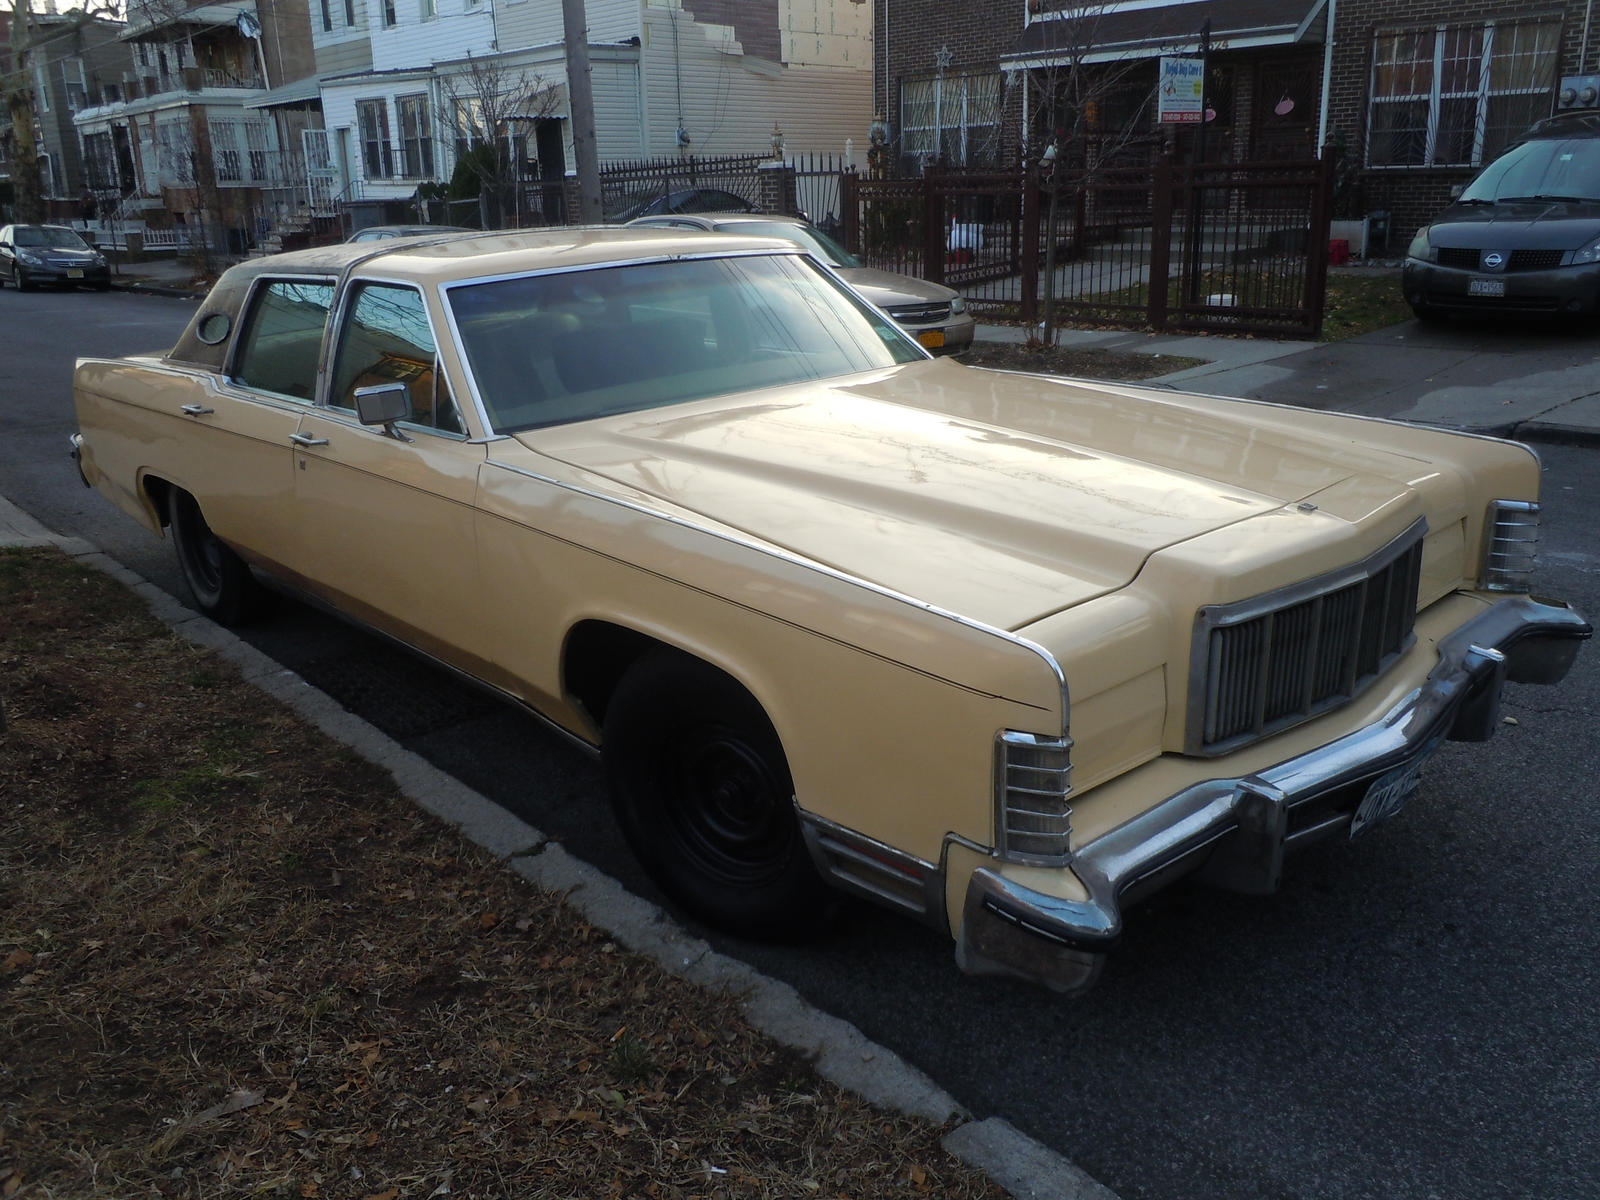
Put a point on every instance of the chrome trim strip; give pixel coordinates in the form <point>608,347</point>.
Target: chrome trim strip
<point>1236,829</point>
<point>1216,616</point>
<point>787,556</point>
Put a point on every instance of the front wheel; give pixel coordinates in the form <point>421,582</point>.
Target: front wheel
<point>701,788</point>
<point>24,284</point>
<point>223,587</point>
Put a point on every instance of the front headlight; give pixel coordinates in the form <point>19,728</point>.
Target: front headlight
<point>958,305</point>
<point>1510,546</point>
<point>1589,254</point>
<point>1421,248</point>
<point>29,257</point>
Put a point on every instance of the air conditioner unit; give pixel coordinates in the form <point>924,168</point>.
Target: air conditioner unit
<point>1578,91</point>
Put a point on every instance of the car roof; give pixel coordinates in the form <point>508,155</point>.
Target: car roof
<point>1585,123</point>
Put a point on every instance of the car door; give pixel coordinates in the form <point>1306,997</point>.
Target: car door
<point>233,452</point>
<point>387,515</point>
<point>8,256</point>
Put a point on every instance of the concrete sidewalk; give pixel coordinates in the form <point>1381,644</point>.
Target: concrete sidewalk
<point>1528,380</point>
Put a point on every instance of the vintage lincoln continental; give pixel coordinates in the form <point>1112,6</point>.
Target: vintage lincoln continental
<point>999,651</point>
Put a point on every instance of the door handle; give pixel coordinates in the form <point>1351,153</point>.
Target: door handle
<point>197,410</point>
<point>305,439</point>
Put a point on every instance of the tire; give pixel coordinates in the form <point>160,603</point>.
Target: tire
<point>223,587</point>
<point>1427,314</point>
<point>22,281</point>
<point>701,789</point>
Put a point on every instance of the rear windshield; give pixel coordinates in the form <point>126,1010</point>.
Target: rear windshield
<point>1543,169</point>
<point>550,349</point>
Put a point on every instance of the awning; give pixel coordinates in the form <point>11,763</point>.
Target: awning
<point>1172,29</point>
<point>296,91</point>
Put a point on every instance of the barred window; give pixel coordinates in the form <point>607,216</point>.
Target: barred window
<point>952,117</point>
<point>416,136</point>
<point>1457,95</point>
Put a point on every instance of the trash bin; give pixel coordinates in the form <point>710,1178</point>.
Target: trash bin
<point>1378,233</point>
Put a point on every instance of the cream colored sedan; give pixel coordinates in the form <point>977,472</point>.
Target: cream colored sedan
<point>1003,653</point>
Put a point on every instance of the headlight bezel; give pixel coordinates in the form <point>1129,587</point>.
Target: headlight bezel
<point>1421,247</point>
<point>1510,554</point>
<point>1032,784</point>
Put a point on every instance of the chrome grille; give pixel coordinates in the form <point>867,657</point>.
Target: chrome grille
<point>1265,664</point>
<point>920,314</point>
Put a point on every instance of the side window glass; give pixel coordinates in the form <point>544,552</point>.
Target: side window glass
<point>282,338</point>
<point>386,339</point>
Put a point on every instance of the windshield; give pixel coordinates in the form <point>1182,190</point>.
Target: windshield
<point>1545,168</point>
<point>813,239</point>
<point>550,349</point>
<point>43,235</point>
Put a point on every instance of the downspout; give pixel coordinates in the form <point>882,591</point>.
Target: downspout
<point>1583,49</point>
<point>1327,77</point>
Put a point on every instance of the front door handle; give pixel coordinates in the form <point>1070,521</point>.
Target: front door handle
<point>197,410</point>
<point>305,439</point>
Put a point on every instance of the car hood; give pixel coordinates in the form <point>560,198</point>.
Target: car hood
<point>61,254</point>
<point>885,288</point>
<point>1001,497</point>
<point>1524,225</point>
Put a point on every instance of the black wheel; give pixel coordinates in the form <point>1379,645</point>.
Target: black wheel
<point>1427,314</point>
<point>24,284</point>
<point>702,792</point>
<point>102,285</point>
<point>222,584</point>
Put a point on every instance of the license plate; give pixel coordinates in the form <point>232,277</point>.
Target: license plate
<point>74,273</point>
<point>932,338</point>
<point>1388,794</point>
<point>1486,287</point>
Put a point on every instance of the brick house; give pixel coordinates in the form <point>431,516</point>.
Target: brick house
<point>1423,92</point>
<point>984,83</point>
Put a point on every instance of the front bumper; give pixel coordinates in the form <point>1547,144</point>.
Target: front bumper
<point>73,276</point>
<point>1558,290</point>
<point>952,336</point>
<point>1235,832</point>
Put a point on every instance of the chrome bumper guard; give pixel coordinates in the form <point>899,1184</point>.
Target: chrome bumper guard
<point>1234,832</point>
<point>77,457</point>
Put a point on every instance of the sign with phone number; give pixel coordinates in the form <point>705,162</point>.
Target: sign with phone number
<point>1180,95</point>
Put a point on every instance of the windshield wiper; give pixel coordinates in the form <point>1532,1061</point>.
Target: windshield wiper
<point>1472,201</point>
<point>1552,199</point>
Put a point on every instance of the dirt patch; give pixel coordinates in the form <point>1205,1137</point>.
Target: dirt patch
<point>1077,363</point>
<point>234,960</point>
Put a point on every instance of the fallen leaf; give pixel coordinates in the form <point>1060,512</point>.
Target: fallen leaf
<point>236,1101</point>
<point>488,920</point>
<point>18,958</point>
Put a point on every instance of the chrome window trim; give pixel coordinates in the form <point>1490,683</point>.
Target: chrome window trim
<point>777,250</point>
<point>1491,522</point>
<point>342,302</point>
<point>823,569</point>
<point>1217,616</point>
<point>247,309</point>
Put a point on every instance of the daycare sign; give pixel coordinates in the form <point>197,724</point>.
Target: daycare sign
<point>1180,99</point>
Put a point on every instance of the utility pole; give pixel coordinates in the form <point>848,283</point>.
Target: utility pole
<point>580,95</point>
<point>1197,200</point>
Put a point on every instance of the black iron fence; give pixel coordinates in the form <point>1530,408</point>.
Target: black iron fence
<point>690,184</point>
<point>1238,246</point>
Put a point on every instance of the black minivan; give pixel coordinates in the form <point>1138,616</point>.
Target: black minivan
<point>1524,236</point>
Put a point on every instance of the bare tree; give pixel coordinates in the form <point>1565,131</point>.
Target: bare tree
<point>492,106</point>
<point>1085,112</point>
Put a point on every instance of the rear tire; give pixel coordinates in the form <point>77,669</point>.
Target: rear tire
<point>701,788</point>
<point>223,587</point>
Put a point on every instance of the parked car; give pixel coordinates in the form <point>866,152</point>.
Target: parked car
<point>1524,235</point>
<point>654,201</point>
<point>34,255</point>
<point>1001,652</point>
<point>379,233</point>
<point>935,315</point>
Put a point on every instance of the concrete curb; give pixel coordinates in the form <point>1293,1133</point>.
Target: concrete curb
<point>157,289</point>
<point>839,1051</point>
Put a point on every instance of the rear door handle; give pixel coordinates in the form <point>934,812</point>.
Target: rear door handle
<point>305,439</point>
<point>197,410</point>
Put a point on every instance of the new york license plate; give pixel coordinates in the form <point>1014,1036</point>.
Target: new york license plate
<point>1388,793</point>
<point>1486,287</point>
<point>931,338</point>
<point>74,273</point>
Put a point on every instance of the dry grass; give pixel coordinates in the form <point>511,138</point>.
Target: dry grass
<point>234,961</point>
<point>1039,358</point>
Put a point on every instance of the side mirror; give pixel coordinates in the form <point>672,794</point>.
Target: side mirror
<point>384,404</point>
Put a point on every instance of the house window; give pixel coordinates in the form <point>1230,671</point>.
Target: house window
<point>225,152</point>
<point>416,136</point>
<point>429,9</point>
<point>951,117</point>
<point>377,158</point>
<point>76,87</point>
<point>350,14</point>
<point>467,120</point>
<point>327,16</point>
<point>388,14</point>
<point>1458,95</point>
<point>41,92</point>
